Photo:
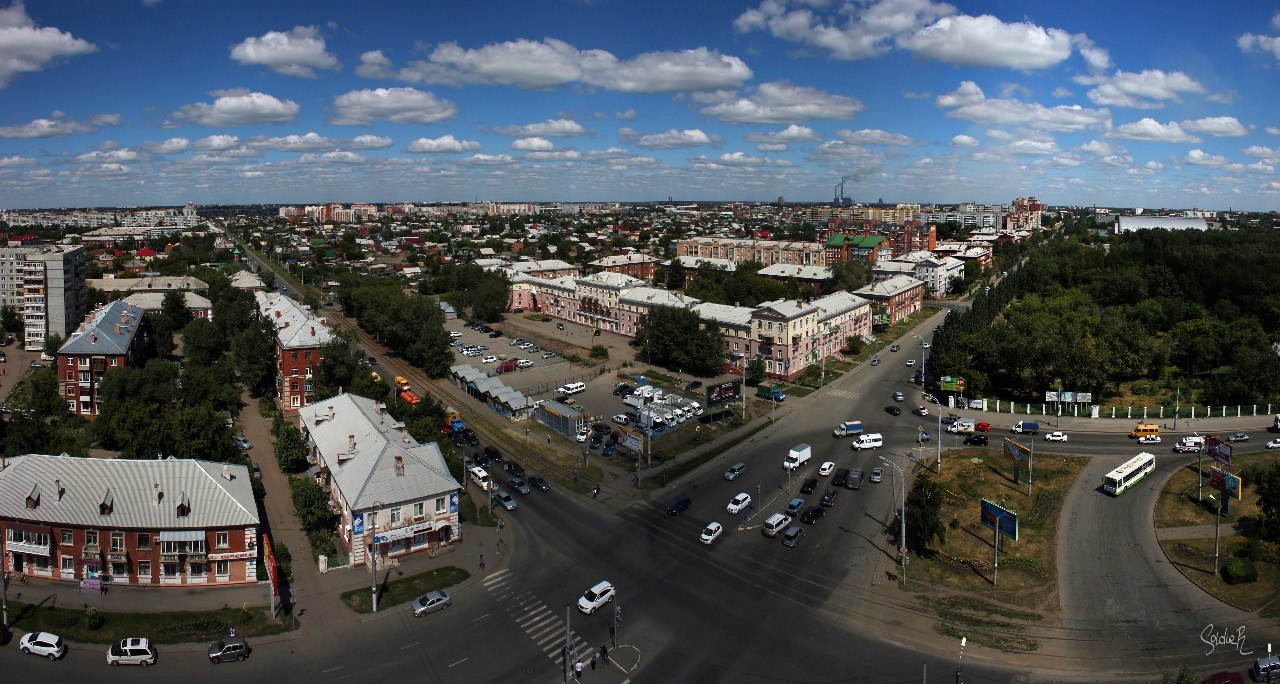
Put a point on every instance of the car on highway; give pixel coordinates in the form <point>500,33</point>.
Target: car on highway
<point>875,361</point>
<point>792,536</point>
<point>895,348</point>
<point>794,507</point>
<point>812,514</point>
<point>540,482</point>
<point>1238,437</point>
<point>693,385</point>
<point>911,362</point>
<point>621,419</point>
<point>841,478</point>
<point>976,440</point>
<point>982,426</point>
<point>711,532</point>
<point>1149,439</point>
<point>132,651</point>
<point>738,503</point>
<point>517,483</point>
<point>828,499</point>
<point>809,485</point>
<point>1274,444</point>
<point>230,648</point>
<point>855,479</point>
<point>1056,437</point>
<point>924,345</point>
<point>899,396</point>
<point>43,644</point>
<point>893,410</point>
<point>243,442</point>
<point>735,470</point>
<point>430,602</point>
<point>583,434</point>
<point>826,468</point>
<point>595,597</point>
<point>877,474</point>
<point>372,361</point>
<point>505,499</point>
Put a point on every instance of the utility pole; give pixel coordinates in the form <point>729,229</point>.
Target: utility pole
<point>938,437</point>
<point>1177,405</point>
<point>568,643</point>
<point>5,602</point>
<point>373,556</point>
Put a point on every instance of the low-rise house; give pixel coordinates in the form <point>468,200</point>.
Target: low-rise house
<point>894,299</point>
<point>110,337</point>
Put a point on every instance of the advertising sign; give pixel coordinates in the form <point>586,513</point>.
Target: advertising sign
<point>1084,397</point>
<point>724,392</point>
<point>453,502</point>
<point>1051,396</point>
<point>951,384</point>
<point>999,518</point>
<point>631,441</point>
<point>357,523</point>
<point>1218,450</point>
<point>273,571</point>
<point>1017,451</point>
<point>1225,482</point>
<point>1069,397</point>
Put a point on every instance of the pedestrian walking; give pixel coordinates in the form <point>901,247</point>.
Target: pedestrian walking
<point>595,493</point>
<point>482,562</point>
<point>593,662</point>
<point>577,670</point>
<point>548,439</point>
<point>604,652</point>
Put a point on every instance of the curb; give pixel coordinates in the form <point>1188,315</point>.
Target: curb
<point>1187,577</point>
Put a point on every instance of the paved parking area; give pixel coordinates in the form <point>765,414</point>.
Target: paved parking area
<point>538,382</point>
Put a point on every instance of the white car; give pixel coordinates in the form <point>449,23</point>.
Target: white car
<point>43,644</point>
<point>455,333</point>
<point>131,652</point>
<point>922,410</point>
<point>1149,439</point>
<point>712,532</point>
<point>826,468</point>
<point>1056,437</point>
<point>489,359</point>
<point>524,363</point>
<point>924,345</point>
<point>911,362</point>
<point>1274,444</point>
<point>621,419</point>
<point>583,434</point>
<point>739,502</point>
<point>595,597</point>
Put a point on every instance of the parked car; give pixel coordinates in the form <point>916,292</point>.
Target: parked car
<point>230,648</point>
<point>583,434</point>
<point>493,454</point>
<point>826,468</point>
<point>243,442</point>
<point>37,364</point>
<point>559,326</point>
<point>711,532</point>
<point>548,355</point>
<point>812,514</point>
<point>622,389</point>
<point>792,536</point>
<point>489,359</point>
<point>922,410</point>
<point>894,348</point>
<point>430,602</point>
<point>132,651</point>
<point>620,419</point>
<point>794,507</point>
<point>911,362</point>
<point>875,361</point>
<point>1274,444</point>
<point>1238,437</point>
<point>505,500</point>
<point>877,474</point>
<point>808,486</point>
<point>43,644</point>
<point>595,597</point>
<point>540,482</point>
<point>828,499</point>
<point>898,396</point>
<point>514,468</point>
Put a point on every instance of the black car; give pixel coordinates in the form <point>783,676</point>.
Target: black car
<point>540,482</point>
<point>680,505</point>
<point>976,440</point>
<point>841,478</point>
<point>513,468</point>
<point>693,385</point>
<point>596,441</point>
<point>855,479</point>
<point>469,436</point>
<point>812,514</point>
<point>372,361</point>
<point>893,410</point>
<point>559,326</point>
<point>828,499</point>
<point>493,454</point>
<point>808,486</point>
<point>601,428</point>
<point>495,334</point>
<point>480,459</point>
<point>622,390</point>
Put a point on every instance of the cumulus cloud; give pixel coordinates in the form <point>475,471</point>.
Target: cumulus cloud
<point>551,128</point>
<point>966,93</point>
<point>628,114</point>
<point>790,134</point>
<point>534,144</point>
<point>782,102</point>
<point>772,147</point>
<point>401,105</point>
<point>1102,149</point>
<point>1217,126</point>
<point>1148,89</point>
<point>491,159</point>
<point>1201,158</point>
<point>674,139</point>
<point>553,155</point>
<point>238,107</point>
<point>58,125</point>
<point>107,156</point>
<point>445,144</point>
<point>335,157</point>
<point>298,52</point>
<point>988,42</point>
<point>25,48</point>
<point>1061,92</point>
<point>550,63</point>
<point>1096,58</point>
<point>851,31</point>
<point>217,143</point>
<point>1252,42</point>
<point>1267,154</point>
<point>370,142</point>
<point>16,162</point>
<point>963,140</point>
<point>971,105</point>
<point>170,146</point>
<point>1150,130</point>
<point>1273,130</point>
<point>310,142</point>
<point>875,136</point>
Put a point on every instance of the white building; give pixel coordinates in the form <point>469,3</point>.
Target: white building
<point>47,285</point>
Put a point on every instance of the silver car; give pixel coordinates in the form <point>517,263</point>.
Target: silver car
<point>505,499</point>
<point>430,602</point>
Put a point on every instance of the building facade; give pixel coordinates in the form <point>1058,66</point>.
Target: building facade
<point>47,286</point>
<point>170,522</point>
<point>767,252</point>
<point>894,299</point>
<point>111,337</point>
<point>299,337</point>
<point>636,265</point>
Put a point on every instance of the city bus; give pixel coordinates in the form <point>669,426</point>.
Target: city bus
<point>1128,474</point>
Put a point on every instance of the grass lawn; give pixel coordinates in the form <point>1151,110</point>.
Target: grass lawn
<point>1195,558</point>
<point>404,589</point>
<point>1178,505</point>
<point>668,474</point>
<point>1027,582</point>
<point>77,624</point>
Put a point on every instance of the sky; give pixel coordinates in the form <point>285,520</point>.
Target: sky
<point>1170,104</point>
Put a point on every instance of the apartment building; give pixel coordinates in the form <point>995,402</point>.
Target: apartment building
<point>47,285</point>
<point>168,522</point>
<point>767,252</point>
<point>110,337</point>
<point>299,336</point>
<point>894,299</point>
<point>635,264</point>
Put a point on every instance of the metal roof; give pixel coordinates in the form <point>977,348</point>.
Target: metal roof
<point>296,327</point>
<point>131,487</point>
<point>108,330</point>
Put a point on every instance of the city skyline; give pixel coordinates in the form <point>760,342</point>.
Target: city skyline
<point>160,102</point>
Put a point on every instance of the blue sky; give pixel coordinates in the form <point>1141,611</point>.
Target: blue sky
<point>160,102</point>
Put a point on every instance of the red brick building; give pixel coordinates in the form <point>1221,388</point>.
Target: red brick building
<point>299,337</point>
<point>110,337</point>
<point>635,264</point>
<point>894,299</point>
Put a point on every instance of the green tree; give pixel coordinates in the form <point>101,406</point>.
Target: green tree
<point>10,319</point>
<point>291,452</point>
<point>26,435</point>
<point>201,433</point>
<point>202,343</point>
<point>1184,675</point>
<point>679,338</point>
<point>213,386</point>
<point>924,514</point>
<point>599,351</point>
<point>46,397</point>
<point>851,274</point>
<point>52,343</point>
<point>755,372</point>
<point>311,504</point>
<point>1266,484</point>
<point>675,275</point>
<point>174,311</point>
<point>253,351</point>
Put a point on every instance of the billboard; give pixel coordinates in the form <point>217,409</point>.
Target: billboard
<point>999,518</point>
<point>631,441</point>
<point>951,384</point>
<point>1218,450</point>
<point>1069,397</point>
<point>1084,397</point>
<point>724,392</point>
<point>1230,485</point>
<point>273,570</point>
<point>1017,451</point>
<point>1050,396</point>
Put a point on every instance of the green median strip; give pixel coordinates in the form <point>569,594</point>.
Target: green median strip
<point>88,625</point>
<point>403,590</point>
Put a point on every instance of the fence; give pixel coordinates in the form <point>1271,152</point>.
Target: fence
<point>1190,412</point>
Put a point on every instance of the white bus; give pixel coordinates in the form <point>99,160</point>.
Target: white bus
<point>1276,424</point>
<point>1128,474</point>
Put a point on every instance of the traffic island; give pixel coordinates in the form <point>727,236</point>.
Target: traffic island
<point>88,625</point>
<point>1194,559</point>
<point>404,589</point>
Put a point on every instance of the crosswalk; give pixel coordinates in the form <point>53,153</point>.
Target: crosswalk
<point>546,627</point>
<point>843,394</point>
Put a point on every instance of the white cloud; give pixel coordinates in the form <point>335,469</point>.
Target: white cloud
<point>782,102</point>
<point>1150,130</point>
<point>998,134</point>
<point>294,53</point>
<point>1224,98</point>
<point>16,162</point>
<point>235,108</point>
<point>771,147</point>
<point>534,144</point>
<point>401,105</point>
<point>311,142</point>
<point>445,144</point>
<point>217,143</point>
<point>970,105</point>
<point>963,140</point>
<point>1146,90</point>
<point>1033,147</point>
<point>58,125</point>
<point>1061,92</point>
<point>851,32</point>
<point>24,48</point>
<point>1102,149</point>
<point>549,63</point>
<point>101,156</point>
<point>1096,58</point>
<point>335,157</point>
<point>170,146</point>
<point>489,159</point>
<point>912,95</point>
<point>790,134</point>
<point>1217,126</point>
<point>966,93</point>
<point>1273,130</point>
<point>628,114</point>
<point>1201,158</point>
<point>1252,42</point>
<point>553,155</point>
<point>673,139</point>
<point>551,128</point>
<point>875,136</point>
<point>374,64</point>
<point>1268,155</point>
<point>370,142</point>
<point>986,41</point>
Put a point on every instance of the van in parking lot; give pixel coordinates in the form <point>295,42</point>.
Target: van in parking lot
<point>572,388</point>
<point>775,524</point>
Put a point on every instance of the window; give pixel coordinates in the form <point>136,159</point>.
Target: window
<point>293,373</point>
<point>68,564</point>
<point>419,509</point>
<point>440,504</point>
<point>171,547</point>
<point>71,376</point>
<point>222,568</point>
<point>120,570</point>
<point>371,520</point>
<point>169,569</point>
<point>395,516</point>
<point>144,541</point>
<point>68,538</point>
<point>306,355</point>
<point>90,537</point>
<point>117,542</point>
<point>144,569</point>
<point>294,355</point>
<point>199,569</point>
<point>221,539</point>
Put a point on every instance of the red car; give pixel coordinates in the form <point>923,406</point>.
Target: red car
<point>1224,678</point>
<point>507,366</point>
<point>984,426</point>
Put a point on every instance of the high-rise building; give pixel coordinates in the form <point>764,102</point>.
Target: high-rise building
<point>47,285</point>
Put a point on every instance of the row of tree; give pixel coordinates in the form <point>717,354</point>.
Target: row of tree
<point>679,338</point>
<point>468,286</point>
<point>412,326</point>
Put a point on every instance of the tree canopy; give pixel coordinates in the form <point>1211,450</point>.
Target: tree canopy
<point>679,338</point>
<point>411,325</point>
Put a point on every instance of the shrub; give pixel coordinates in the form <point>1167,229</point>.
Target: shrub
<point>284,560</point>
<point>63,618</point>
<point>599,351</point>
<point>1239,571</point>
<point>93,618</point>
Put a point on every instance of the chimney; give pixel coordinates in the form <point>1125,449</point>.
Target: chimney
<point>57,486</point>
<point>277,314</point>
<point>313,330</point>
<point>159,494</point>
<point>93,337</point>
<point>331,413</point>
<point>351,442</point>
<point>124,318</point>
<point>404,435</point>
<point>226,471</point>
<point>399,465</point>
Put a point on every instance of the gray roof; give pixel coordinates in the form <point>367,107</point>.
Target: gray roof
<point>838,303</point>
<point>652,296</point>
<point>366,476</point>
<point>247,280</point>
<point>889,287</point>
<point>797,271</point>
<point>725,313</point>
<point>154,301</point>
<point>1128,223</point>
<point>296,327</point>
<point>130,485</point>
<point>99,333</point>
<point>787,308</point>
<point>148,284</point>
<point>624,259</point>
<point>543,265</point>
<point>694,262</point>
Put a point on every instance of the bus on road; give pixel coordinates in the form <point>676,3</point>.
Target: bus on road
<point>1128,474</point>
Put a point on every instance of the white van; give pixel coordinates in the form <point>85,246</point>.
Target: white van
<point>873,440</point>
<point>480,476</point>
<point>572,388</point>
<point>775,524</point>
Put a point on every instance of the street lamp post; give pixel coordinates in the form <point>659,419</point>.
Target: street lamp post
<point>373,551</point>
<point>902,517</point>
<point>960,661</point>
